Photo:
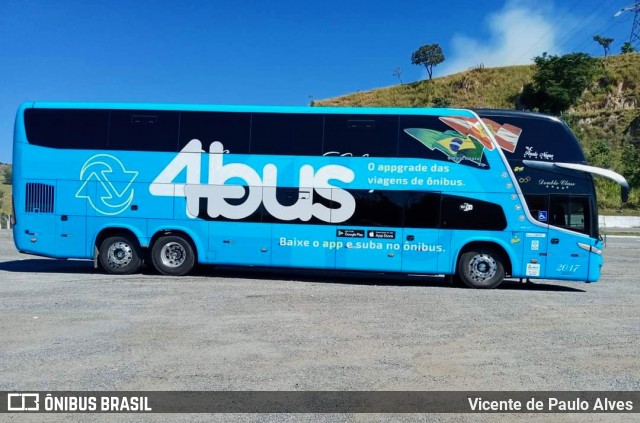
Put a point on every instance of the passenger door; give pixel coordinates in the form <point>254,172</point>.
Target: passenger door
<point>534,254</point>
<point>422,246</point>
<point>565,259</point>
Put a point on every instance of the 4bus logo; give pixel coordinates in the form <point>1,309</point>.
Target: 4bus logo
<point>240,200</point>
<point>114,191</point>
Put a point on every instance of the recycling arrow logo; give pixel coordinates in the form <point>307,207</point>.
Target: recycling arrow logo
<point>114,184</point>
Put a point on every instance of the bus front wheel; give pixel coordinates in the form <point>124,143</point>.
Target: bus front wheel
<point>481,268</point>
<point>120,255</point>
<point>173,255</point>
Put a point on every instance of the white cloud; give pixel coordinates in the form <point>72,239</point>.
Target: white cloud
<point>519,32</point>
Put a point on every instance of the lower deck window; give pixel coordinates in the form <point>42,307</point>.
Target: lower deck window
<point>565,211</point>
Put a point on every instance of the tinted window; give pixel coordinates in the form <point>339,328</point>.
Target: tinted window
<point>468,213</point>
<point>361,135</point>
<point>422,210</point>
<point>65,128</point>
<point>295,198</point>
<point>541,139</point>
<point>255,216</point>
<point>377,208</point>
<point>144,130</point>
<point>569,212</point>
<point>45,127</point>
<point>410,146</point>
<point>286,134</point>
<point>431,138</point>
<point>534,181</point>
<point>87,129</point>
<point>299,199</point>
<point>231,129</point>
<point>538,207</point>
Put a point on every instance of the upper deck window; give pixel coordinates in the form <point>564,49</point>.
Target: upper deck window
<point>144,130</point>
<point>231,129</point>
<point>431,137</point>
<point>67,128</point>
<point>286,134</point>
<point>542,139</point>
<point>360,136</point>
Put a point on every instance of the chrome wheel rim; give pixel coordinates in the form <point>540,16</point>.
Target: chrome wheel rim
<point>119,255</point>
<point>173,254</point>
<point>482,267</point>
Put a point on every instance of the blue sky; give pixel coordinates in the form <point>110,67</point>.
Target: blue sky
<point>281,52</point>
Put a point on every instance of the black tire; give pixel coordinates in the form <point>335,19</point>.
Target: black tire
<point>481,269</point>
<point>454,281</point>
<point>120,255</point>
<point>173,255</point>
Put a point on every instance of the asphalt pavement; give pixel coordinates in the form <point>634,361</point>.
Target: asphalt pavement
<point>66,326</point>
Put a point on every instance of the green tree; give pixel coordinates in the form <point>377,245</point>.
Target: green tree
<point>604,42</point>
<point>397,72</point>
<point>558,82</point>
<point>631,153</point>
<point>6,175</point>
<point>441,102</point>
<point>428,55</point>
<point>600,154</point>
<point>627,48</point>
<point>631,170</point>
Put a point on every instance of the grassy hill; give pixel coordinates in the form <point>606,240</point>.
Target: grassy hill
<point>606,119</point>
<point>5,195</point>
<point>479,87</point>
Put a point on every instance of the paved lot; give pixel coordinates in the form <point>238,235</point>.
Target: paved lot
<point>66,327</point>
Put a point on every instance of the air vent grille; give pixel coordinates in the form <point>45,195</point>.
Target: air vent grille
<point>39,198</point>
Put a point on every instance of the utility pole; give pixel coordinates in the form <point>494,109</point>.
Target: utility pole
<point>634,38</point>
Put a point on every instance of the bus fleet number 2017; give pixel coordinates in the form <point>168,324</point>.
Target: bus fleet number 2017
<point>568,268</point>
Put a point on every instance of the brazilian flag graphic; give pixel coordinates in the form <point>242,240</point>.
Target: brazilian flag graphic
<point>452,143</point>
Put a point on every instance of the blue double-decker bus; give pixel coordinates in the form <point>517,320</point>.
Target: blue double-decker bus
<point>417,191</point>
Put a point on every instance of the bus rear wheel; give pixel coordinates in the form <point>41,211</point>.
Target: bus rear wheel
<point>481,269</point>
<point>173,255</point>
<point>120,255</point>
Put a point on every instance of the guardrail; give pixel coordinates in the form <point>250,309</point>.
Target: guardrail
<point>619,221</point>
